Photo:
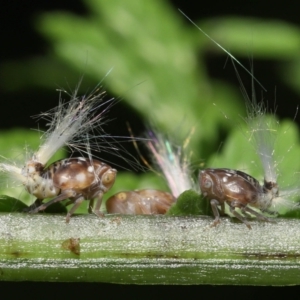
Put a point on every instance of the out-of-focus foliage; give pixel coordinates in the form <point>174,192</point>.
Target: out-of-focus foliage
<point>10,204</point>
<point>189,203</point>
<point>154,56</point>
<point>260,38</point>
<point>239,151</point>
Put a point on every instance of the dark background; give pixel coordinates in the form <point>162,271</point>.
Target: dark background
<point>19,41</point>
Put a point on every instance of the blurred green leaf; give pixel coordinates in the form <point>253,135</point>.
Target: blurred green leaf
<point>239,152</point>
<point>10,204</point>
<point>255,37</point>
<point>158,60</point>
<point>172,83</point>
<point>18,144</point>
<point>29,71</point>
<point>189,203</point>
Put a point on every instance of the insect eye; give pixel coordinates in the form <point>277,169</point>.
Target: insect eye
<point>108,177</point>
<point>207,183</point>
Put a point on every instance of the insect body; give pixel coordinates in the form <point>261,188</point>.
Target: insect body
<point>77,124</point>
<point>237,189</point>
<point>140,202</point>
<point>77,179</point>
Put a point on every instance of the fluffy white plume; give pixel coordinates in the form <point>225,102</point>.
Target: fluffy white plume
<point>172,162</point>
<point>71,124</point>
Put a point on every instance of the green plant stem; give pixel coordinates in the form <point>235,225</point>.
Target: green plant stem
<point>148,250</point>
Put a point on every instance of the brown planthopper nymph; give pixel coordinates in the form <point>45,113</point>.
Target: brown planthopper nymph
<point>76,124</point>
<point>238,190</point>
<point>140,202</point>
<point>76,179</point>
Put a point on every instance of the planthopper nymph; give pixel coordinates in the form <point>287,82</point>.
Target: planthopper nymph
<point>77,124</point>
<point>140,202</point>
<point>76,179</point>
<point>238,190</point>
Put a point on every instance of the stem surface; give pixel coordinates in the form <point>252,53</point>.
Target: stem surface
<point>148,250</point>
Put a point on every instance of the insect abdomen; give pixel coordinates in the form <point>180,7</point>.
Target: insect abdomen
<point>140,202</point>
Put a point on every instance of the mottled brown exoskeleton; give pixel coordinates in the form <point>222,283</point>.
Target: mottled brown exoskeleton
<point>76,179</point>
<point>238,190</point>
<point>140,202</point>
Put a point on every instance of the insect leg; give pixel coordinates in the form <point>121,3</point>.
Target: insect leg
<point>96,210</point>
<point>64,195</point>
<point>270,212</point>
<point>91,205</point>
<point>223,209</point>
<point>238,216</point>
<point>256,214</point>
<point>214,205</point>
<point>34,205</point>
<point>77,203</point>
